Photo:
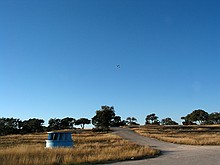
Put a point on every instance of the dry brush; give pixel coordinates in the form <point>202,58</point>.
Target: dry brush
<point>89,148</point>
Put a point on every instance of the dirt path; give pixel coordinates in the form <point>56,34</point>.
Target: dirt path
<point>172,154</point>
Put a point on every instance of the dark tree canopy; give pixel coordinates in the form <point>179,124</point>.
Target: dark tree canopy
<point>67,123</point>
<point>131,121</point>
<point>10,126</point>
<point>152,119</point>
<point>118,122</point>
<point>104,118</point>
<point>82,122</point>
<point>54,124</point>
<point>57,124</point>
<point>214,118</point>
<point>32,125</point>
<point>168,121</point>
<point>197,116</point>
<point>187,120</point>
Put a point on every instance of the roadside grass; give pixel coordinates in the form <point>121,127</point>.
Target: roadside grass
<point>89,147</point>
<point>190,135</point>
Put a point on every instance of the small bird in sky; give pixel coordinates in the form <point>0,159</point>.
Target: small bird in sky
<point>118,66</point>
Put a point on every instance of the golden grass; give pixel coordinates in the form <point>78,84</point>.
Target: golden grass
<point>89,148</point>
<point>192,136</point>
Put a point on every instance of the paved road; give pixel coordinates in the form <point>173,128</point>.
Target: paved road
<point>172,154</point>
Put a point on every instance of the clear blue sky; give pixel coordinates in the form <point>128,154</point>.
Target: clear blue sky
<point>59,58</point>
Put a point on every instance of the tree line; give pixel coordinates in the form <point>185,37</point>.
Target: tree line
<point>198,116</point>
<point>17,126</point>
<point>103,120</point>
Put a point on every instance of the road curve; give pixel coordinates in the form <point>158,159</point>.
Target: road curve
<point>172,154</point>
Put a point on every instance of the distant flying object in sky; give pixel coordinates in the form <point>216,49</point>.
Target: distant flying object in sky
<point>118,66</point>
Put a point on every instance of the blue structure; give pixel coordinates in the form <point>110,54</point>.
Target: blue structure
<point>59,139</point>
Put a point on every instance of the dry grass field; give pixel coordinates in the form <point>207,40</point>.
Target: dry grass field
<point>192,135</point>
<point>89,148</point>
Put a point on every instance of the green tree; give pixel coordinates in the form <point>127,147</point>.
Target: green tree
<point>187,120</point>
<point>82,122</point>
<point>198,116</point>
<point>67,123</point>
<point>117,122</point>
<point>54,124</point>
<point>152,119</point>
<point>168,121</point>
<point>128,120</point>
<point>131,121</point>
<point>103,118</point>
<point>9,126</point>
<point>32,125</point>
<point>214,118</point>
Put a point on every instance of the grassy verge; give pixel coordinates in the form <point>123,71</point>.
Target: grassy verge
<point>191,135</point>
<point>89,148</point>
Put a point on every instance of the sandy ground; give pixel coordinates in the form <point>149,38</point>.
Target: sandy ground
<point>172,154</point>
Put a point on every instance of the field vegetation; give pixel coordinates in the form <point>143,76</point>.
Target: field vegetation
<point>191,135</point>
<point>89,147</point>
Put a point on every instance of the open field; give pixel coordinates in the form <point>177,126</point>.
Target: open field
<point>191,135</point>
<point>89,147</point>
